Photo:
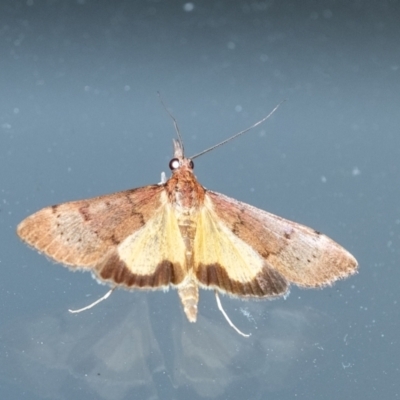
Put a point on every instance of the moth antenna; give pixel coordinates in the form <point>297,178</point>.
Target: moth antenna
<point>227,318</point>
<point>106,296</point>
<point>174,120</point>
<point>237,134</point>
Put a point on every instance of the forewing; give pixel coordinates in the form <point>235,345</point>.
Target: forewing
<point>300,254</point>
<point>224,261</point>
<point>151,257</point>
<point>81,233</point>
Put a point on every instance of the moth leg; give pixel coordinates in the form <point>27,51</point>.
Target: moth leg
<point>163,178</point>
<point>227,318</point>
<point>106,296</point>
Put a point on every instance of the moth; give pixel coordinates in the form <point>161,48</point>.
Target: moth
<point>179,234</point>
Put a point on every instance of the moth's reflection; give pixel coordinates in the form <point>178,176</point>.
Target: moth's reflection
<point>122,350</point>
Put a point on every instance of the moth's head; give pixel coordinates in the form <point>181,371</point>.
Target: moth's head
<point>179,161</point>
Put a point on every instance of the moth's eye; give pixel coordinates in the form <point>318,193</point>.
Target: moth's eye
<point>174,164</point>
<point>191,164</point>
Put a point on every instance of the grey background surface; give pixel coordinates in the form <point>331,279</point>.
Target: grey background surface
<point>79,117</point>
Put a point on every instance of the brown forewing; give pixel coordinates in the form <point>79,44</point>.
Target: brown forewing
<point>300,254</point>
<point>81,233</point>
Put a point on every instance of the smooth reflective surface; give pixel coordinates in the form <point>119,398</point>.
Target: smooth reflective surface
<point>80,117</point>
<point>118,352</point>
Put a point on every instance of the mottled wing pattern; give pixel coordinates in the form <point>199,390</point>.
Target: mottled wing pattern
<point>89,234</point>
<point>302,255</point>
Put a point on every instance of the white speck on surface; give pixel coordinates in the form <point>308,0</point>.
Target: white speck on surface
<point>355,171</point>
<point>188,7</point>
<point>247,314</point>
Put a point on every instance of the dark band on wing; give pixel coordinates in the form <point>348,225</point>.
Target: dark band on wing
<point>114,270</point>
<point>266,283</point>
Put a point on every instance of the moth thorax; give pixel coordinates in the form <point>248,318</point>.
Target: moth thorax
<point>187,227</point>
